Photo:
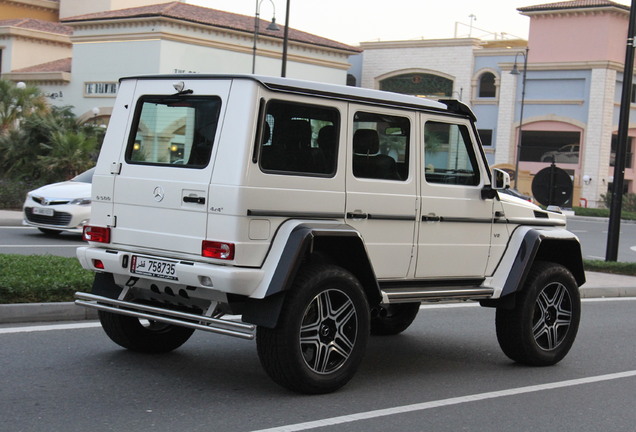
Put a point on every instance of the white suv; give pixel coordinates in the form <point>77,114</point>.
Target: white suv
<point>319,214</point>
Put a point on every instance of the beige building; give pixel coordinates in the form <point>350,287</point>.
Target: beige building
<point>78,60</point>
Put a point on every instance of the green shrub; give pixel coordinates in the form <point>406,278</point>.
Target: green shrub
<point>41,278</point>
<point>624,268</point>
<point>13,192</point>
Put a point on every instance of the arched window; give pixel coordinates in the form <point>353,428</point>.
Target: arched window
<point>419,84</point>
<point>487,88</point>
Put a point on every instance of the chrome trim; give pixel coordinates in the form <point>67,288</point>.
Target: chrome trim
<point>198,322</point>
<point>408,295</point>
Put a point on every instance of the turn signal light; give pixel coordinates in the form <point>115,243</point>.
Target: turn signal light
<point>218,250</point>
<point>96,234</point>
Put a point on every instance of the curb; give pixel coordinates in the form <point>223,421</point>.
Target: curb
<point>44,312</point>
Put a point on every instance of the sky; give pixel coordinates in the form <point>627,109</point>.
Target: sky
<point>355,21</point>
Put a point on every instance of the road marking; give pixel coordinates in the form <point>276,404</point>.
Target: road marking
<point>41,328</point>
<point>446,402</point>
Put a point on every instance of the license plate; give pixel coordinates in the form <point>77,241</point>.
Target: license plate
<point>153,267</point>
<point>43,211</point>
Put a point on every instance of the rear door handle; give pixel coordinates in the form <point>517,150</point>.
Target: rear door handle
<point>194,199</point>
<point>357,216</point>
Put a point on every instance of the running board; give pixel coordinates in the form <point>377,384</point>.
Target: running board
<point>167,316</point>
<point>428,294</point>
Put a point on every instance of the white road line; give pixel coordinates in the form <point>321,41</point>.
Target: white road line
<point>41,328</point>
<point>446,402</point>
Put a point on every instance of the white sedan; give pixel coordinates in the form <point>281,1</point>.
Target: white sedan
<point>58,207</point>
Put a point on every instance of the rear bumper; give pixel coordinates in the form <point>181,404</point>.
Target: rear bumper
<point>202,276</point>
<point>198,322</point>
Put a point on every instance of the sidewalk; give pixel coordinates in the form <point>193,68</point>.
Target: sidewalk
<point>10,218</point>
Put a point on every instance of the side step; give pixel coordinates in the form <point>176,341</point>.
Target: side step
<point>428,294</point>
<point>198,322</point>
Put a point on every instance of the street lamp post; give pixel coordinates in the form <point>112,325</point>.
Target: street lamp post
<point>515,71</point>
<point>271,26</point>
<point>283,71</point>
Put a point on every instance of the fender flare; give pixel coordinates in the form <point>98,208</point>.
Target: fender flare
<point>528,245</point>
<point>293,244</point>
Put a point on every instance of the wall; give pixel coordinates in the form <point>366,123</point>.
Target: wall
<point>449,57</point>
<point>571,37</point>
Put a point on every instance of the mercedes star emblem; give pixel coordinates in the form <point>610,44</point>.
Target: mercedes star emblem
<point>158,193</point>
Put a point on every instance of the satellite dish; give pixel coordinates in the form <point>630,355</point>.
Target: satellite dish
<point>552,186</point>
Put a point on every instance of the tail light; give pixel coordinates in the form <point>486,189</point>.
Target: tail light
<point>218,250</point>
<point>96,234</point>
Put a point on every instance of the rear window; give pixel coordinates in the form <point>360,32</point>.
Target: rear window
<point>175,131</point>
<point>299,139</point>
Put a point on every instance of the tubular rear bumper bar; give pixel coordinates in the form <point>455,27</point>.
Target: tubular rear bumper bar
<point>198,322</point>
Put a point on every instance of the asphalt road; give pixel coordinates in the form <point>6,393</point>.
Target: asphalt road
<point>445,373</point>
<point>593,235</point>
<point>30,241</point>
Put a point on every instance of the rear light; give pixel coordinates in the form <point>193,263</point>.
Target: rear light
<point>98,264</point>
<point>218,250</point>
<point>96,234</point>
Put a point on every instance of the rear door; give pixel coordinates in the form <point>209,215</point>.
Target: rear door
<point>162,178</point>
<point>381,186</point>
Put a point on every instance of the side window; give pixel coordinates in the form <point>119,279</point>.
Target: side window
<point>380,146</point>
<point>174,131</point>
<point>449,157</point>
<point>299,139</point>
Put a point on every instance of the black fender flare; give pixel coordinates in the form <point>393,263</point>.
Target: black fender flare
<point>561,247</point>
<point>341,244</point>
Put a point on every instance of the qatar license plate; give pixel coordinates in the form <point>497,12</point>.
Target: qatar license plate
<point>43,211</point>
<point>153,267</point>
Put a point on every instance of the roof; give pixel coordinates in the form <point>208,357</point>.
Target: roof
<point>36,24</point>
<point>206,16</point>
<point>62,65</point>
<point>332,91</point>
<point>574,4</point>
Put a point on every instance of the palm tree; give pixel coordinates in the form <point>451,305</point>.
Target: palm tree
<point>18,102</point>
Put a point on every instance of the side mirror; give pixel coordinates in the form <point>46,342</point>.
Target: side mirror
<point>500,179</point>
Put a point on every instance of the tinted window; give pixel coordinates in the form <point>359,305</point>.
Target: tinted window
<point>174,131</point>
<point>380,146</point>
<point>299,139</point>
<point>449,157</point>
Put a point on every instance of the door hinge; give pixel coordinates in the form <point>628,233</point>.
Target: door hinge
<point>115,168</point>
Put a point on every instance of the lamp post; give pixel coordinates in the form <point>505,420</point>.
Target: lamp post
<point>283,71</point>
<point>271,26</point>
<point>515,71</point>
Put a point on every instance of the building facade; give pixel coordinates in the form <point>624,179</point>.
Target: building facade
<point>574,60</point>
<point>103,42</point>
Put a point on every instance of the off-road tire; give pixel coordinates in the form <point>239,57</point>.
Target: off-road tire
<point>155,337</point>
<point>321,334</point>
<point>541,328</point>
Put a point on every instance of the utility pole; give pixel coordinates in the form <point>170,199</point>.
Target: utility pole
<point>614,228</point>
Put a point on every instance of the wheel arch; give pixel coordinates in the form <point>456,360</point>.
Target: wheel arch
<point>337,244</point>
<point>557,246</point>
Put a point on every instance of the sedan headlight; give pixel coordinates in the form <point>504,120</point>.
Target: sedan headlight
<point>81,201</point>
